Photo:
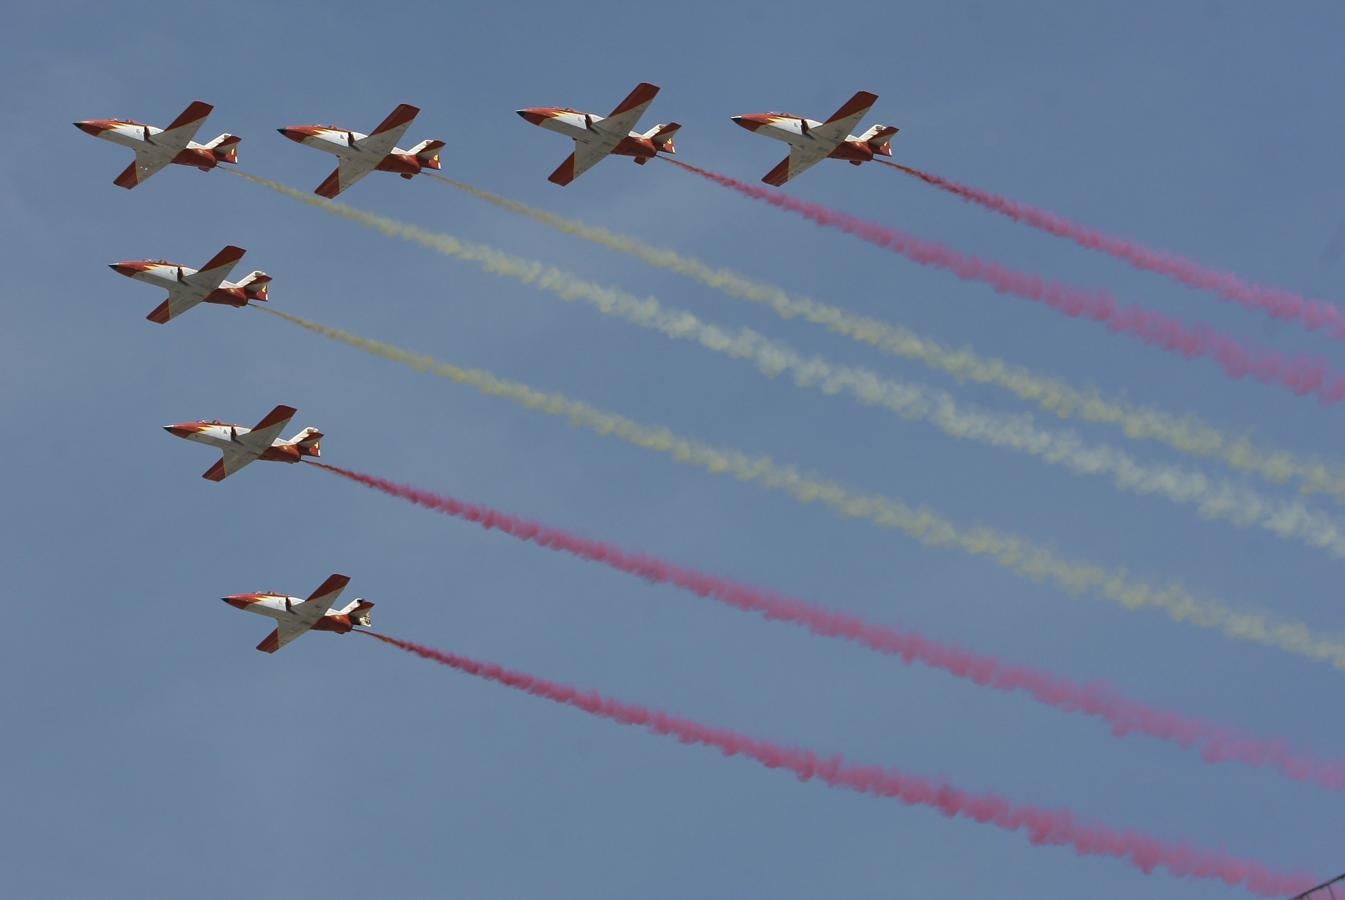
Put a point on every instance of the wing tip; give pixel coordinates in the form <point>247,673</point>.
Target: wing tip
<point>161,313</point>
<point>564,173</point>
<point>779,175</point>
<point>128,177</point>
<point>402,115</point>
<point>644,92</point>
<point>856,105</point>
<point>270,643</point>
<point>331,185</point>
<point>197,109</point>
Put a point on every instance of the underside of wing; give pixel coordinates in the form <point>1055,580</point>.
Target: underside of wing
<point>212,274</point>
<point>321,600</point>
<point>283,634</point>
<point>381,141</point>
<point>228,464</point>
<point>842,121</point>
<point>799,159</point>
<point>348,171</point>
<point>622,119</point>
<point>264,433</point>
<point>181,130</point>
<point>584,157</point>
<point>179,301</point>
<point>146,164</point>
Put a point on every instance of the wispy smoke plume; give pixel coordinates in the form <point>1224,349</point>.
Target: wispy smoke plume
<point>1042,826</point>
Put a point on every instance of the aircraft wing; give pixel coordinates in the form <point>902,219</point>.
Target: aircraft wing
<point>179,133</point>
<point>304,616</point>
<point>383,138</point>
<point>622,119</point>
<point>584,157</point>
<point>321,600</point>
<point>799,160</point>
<point>843,120</point>
<point>229,463</point>
<point>373,149</point>
<point>212,274</point>
<point>265,432</point>
<point>180,299</point>
<point>147,162</point>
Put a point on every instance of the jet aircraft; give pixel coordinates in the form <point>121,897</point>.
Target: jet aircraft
<point>810,141</point>
<point>295,616</point>
<point>155,148</point>
<point>361,154</point>
<point>595,137</point>
<point>241,446</point>
<point>187,287</point>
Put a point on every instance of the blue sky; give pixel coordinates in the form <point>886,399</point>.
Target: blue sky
<point>149,749</point>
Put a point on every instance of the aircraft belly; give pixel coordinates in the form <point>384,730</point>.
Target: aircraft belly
<point>577,132</point>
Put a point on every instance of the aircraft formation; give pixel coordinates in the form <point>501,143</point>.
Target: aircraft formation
<point>594,138</point>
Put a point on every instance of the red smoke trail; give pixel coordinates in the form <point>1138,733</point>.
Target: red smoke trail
<point>1215,743</point>
<point>1278,303</point>
<point>1301,375</point>
<point>1043,826</point>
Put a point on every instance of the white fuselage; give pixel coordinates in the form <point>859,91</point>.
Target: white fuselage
<point>228,439</point>
<point>167,275</point>
<point>140,138</point>
<point>340,142</point>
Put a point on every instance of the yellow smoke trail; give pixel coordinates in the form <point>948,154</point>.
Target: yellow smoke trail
<point>1010,552</point>
<point>1187,434</point>
<point>1214,499</point>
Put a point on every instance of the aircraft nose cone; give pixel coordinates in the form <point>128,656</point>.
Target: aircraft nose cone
<point>236,602</point>
<point>291,133</point>
<point>534,116</point>
<point>127,269</point>
<point>176,430</point>
<point>87,127</point>
<point>750,122</point>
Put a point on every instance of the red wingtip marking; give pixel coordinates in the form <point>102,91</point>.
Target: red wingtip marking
<point>779,175</point>
<point>333,583</point>
<point>215,472</point>
<point>861,101</point>
<point>403,114</point>
<point>197,110</point>
<point>161,313</point>
<point>226,257</point>
<point>270,643</point>
<point>643,93</point>
<point>127,178</point>
<point>279,414</point>
<point>331,186</point>
<point>564,173</point>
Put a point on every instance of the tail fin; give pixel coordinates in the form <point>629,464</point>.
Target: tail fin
<point>879,139</point>
<point>309,442</point>
<point>427,153</point>
<point>359,612</point>
<point>225,148</point>
<point>255,285</point>
<point>662,136</point>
